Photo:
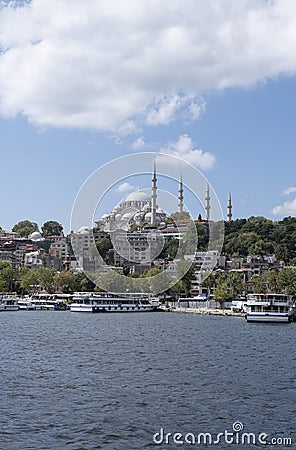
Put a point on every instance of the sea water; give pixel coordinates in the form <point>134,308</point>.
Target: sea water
<point>144,380</point>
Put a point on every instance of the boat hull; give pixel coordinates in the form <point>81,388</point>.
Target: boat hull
<point>26,306</point>
<point>9,307</point>
<point>106,309</point>
<point>268,318</point>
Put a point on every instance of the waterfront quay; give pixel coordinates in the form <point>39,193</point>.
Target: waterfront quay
<point>207,311</point>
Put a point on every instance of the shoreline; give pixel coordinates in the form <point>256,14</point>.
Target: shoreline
<point>204,311</point>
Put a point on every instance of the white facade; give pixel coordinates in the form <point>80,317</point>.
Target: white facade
<point>81,241</point>
<point>137,246</point>
<point>33,259</point>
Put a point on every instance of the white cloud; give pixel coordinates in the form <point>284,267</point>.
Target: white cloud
<point>196,109</point>
<point>107,65</point>
<point>184,148</point>
<point>289,190</point>
<point>165,109</point>
<point>139,143</point>
<point>127,128</point>
<point>286,209</point>
<point>125,187</point>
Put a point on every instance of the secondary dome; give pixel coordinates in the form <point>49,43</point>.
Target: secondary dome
<point>127,215</point>
<point>35,236</point>
<point>137,196</point>
<point>84,230</point>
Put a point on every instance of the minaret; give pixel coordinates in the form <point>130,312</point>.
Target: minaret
<point>153,196</point>
<point>180,197</point>
<point>207,202</point>
<point>229,208</point>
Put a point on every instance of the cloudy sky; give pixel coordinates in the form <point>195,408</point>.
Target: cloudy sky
<point>82,83</point>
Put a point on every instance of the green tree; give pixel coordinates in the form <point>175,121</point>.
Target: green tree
<point>272,281</point>
<point>52,228</point>
<point>259,284</point>
<point>84,284</point>
<point>221,293</point>
<point>171,247</point>
<point>234,226</point>
<point>157,280</point>
<point>235,284</point>
<point>287,281</point>
<point>202,230</point>
<point>190,239</point>
<point>111,281</point>
<point>134,227</point>
<point>282,252</point>
<point>45,278</point>
<point>66,282</point>
<point>36,279</point>
<point>261,247</point>
<point>29,280</point>
<point>209,282</point>
<point>6,276</point>
<point>260,225</point>
<point>180,217</point>
<point>103,245</point>
<point>25,227</point>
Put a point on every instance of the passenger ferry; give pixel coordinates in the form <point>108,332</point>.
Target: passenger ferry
<point>271,308</point>
<point>8,304</point>
<point>114,303</point>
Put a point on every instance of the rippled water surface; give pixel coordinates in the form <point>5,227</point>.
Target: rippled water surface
<point>75,381</point>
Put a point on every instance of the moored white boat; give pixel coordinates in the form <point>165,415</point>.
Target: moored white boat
<point>114,303</point>
<point>269,308</point>
<point>8,304</point>
<point>51,302</point>
<point>25,304</point>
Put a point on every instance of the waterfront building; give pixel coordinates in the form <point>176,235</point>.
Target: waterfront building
<point>33,260</point>
<point>59,248</point>
<point>8,235</point>
<point>202,262</point>
<point>137,247</point>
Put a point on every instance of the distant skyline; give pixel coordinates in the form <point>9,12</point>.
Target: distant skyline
<point>82,83</point>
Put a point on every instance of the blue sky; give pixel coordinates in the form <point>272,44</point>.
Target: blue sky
<point>83,84</point>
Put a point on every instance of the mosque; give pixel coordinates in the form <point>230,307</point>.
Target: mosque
<point>140,208</point>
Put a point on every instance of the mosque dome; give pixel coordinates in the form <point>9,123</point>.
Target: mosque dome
<point>127,216</point>
<point>84,230</point>
<point>35,236</point>
<point>138,196</point>
<point>105,216</point>
<point>146,207</point>
<point>117,216</point>
<point>148,216</point>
